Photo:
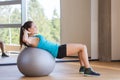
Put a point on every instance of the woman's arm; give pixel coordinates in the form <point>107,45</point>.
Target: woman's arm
<point>26,38</point>
<point>30,41</point>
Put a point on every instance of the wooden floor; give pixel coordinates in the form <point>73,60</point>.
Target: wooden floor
<point>66,71</point>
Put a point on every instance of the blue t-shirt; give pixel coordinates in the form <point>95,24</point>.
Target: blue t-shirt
<point>47,45</point>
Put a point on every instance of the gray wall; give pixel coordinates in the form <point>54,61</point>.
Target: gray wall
<point>115,27</point>
<point>79,24</point>
<point>75,22</point>
<point>94,29</point>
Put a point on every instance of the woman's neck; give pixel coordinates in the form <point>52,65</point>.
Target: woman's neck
<point>30,35</point>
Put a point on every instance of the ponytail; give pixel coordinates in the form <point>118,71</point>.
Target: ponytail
<point>22,28</point>
<point>21,36</point>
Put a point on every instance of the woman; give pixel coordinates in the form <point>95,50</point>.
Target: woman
<point>28,38</point>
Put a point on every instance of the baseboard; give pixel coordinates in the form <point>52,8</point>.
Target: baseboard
<point>88,58</point>
<point>115,60</point>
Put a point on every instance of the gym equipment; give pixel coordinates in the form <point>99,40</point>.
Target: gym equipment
<point>34,62</point>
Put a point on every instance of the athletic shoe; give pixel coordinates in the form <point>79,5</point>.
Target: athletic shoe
<point>4,55</point>
<point>82,70</point>
<point>90,72</point>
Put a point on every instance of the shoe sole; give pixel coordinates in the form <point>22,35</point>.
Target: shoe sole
<point>81,72</point>
<point>87,75</point>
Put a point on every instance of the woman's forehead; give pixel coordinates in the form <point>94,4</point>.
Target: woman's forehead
<point>33,25</point>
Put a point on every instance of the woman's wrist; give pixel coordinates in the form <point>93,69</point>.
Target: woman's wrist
<point>26,32</point>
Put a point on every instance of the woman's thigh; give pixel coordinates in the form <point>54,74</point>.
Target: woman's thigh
<point>74,48</point>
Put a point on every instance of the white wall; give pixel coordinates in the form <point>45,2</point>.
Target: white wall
<point>94,29</point>
<point>79,24</point>
<point>115,27</point>
<point>75,22</point>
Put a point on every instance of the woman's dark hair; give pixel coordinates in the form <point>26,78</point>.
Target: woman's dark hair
<point>26,25</point>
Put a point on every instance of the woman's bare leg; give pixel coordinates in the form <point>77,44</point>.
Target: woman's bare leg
<point>83,56</point>
<point>81,60</point>
<point>82,53</point>
<point>2,49</point>
<point>1,46</point>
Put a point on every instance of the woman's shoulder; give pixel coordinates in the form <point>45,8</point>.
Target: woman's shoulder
<point>38,35</point>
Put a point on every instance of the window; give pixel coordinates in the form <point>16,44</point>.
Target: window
<point>10,21</point>
<point>46,15</point>
<point>3,0</point>
<point>10,14</point>
<point>9,35</point>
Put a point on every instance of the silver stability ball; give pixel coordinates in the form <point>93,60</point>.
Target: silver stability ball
<point>34,62</point>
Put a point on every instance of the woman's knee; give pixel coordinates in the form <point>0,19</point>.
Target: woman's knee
<point>84,47</point>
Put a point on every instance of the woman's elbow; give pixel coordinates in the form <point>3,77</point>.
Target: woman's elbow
<point>27,41</point>
<point>24,40</point>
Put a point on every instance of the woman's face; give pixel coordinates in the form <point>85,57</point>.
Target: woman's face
<point>33,29</point>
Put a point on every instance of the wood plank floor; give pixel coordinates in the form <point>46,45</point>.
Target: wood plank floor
<point>66,71</point>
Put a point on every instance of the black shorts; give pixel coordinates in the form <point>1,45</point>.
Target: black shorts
<point>61,51</point>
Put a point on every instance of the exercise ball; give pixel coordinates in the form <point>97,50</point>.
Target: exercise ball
<point>34,62</point>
